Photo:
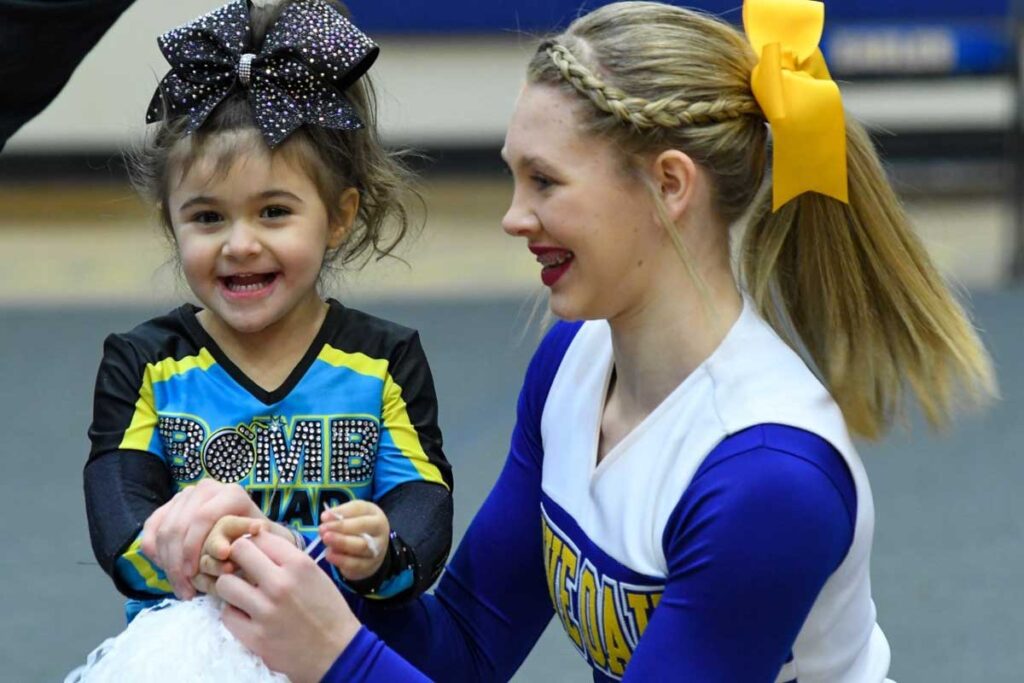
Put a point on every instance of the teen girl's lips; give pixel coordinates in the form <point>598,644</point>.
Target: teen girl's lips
<point>555,261</point>
<point>241,286</point>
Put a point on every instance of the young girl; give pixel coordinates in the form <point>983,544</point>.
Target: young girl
<point>687,497</point>
<point>268,403</point>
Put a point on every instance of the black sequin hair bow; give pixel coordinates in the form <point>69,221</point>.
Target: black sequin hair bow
<point>310,55</point>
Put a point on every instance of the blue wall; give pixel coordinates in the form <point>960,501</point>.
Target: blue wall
<point>973,35</point>
<point>433,16</point>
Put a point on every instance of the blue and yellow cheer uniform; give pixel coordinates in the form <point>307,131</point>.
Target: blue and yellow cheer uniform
<point>356,418</point>
<point>725,539</point>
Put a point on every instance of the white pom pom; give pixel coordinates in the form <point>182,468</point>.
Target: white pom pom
<point>172,642</point>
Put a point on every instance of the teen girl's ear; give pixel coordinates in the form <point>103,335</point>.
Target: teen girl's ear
<point>348,209</point>
<point>675,177</point>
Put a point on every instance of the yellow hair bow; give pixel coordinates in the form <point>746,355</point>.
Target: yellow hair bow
<point>798,97</point>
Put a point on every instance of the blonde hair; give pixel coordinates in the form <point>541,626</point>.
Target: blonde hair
<point>852,281</point>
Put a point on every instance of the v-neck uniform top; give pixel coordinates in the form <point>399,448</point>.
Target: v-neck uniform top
<point>612,522</point>
<point>726,539</point>
<point>356,418</point>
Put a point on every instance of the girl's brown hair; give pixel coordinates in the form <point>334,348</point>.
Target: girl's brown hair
<point>335,159</point>
<point>852,280</point>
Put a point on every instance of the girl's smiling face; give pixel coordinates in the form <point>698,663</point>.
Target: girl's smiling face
<point>252,238</point>
<point>592,227</point>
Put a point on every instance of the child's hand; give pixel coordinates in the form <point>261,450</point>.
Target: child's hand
<point>213,561</point>
<point>173,534</point>
<point>356,535</point>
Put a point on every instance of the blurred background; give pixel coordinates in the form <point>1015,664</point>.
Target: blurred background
<point>937,82</point>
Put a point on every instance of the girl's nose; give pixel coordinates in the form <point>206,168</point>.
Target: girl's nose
<point>519,221</point>
<point>242,241</point>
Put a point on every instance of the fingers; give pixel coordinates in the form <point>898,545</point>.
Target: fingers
<point>174,534</point>
<point>279,550</point>
<point>217,501</point>
<point>242,595</point>
<point>258,556</point>
<point>214,567</point>
<point>376,525</point>
<point>353,508</point>
<point>356,535</point>
<point>239,624</point>
<point>225,532</point>
<point>149,529</point>
<point>354,568</point>
<point>363,545</point>
<point>168,551</point>
<point>205,583</point>
<point>292,608</point>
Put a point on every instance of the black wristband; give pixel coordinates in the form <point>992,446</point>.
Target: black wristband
<point>398,558</point>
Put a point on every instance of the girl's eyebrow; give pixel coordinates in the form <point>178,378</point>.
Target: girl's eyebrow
<point>526,161</point>
<point>201,199</point>
<point>269,194</point>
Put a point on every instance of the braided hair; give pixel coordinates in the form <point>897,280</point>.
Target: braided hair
<point>850,284</point>
<point>666,112</point>
<point>661,77</point>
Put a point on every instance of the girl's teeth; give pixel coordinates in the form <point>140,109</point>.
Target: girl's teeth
<point>550,260</point>
<point>248,283</point>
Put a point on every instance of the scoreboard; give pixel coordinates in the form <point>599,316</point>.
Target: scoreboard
<point>863,37</point>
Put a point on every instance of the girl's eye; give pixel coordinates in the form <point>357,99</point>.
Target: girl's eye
<point>207,217</point>
<point>541,181</point>
<point>275,212</point>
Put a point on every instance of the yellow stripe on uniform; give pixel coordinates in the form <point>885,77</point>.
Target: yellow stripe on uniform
<point>139,434</point>
<point>146,569</point>
<point>394,414</point>
<point>357,362</point>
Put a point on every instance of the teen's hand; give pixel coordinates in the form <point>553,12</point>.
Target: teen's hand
<point>286,609</point>
<point>174,534</point>
<point>356,535</point>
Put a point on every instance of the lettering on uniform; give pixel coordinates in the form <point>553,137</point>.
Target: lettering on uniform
<point>228,456</point>
<point>183,439</point>
<point>281,466</point>
<point>294,504</point>
<point>268,452</point>
<point>603,617</point>
<point>305,446</point>
<point>353,449</point>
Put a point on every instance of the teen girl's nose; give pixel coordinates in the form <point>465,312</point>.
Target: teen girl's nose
<point>242,240</point>
<point>519,220</point>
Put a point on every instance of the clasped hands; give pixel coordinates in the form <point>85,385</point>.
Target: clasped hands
<point>190,537</point>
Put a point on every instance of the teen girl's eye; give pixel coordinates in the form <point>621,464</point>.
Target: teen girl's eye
<point>275,212</point>
<point>541,181</point>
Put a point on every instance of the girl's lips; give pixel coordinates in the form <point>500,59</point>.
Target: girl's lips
<point>555,261</point>
<point>552,274</point>
<point>247,286</point>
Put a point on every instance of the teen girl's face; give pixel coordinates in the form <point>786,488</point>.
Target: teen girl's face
<point>591,226</point>
<point>252,240</point>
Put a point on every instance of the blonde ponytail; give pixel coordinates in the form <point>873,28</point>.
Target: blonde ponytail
<point>852,281</point>
<point>857,286</point>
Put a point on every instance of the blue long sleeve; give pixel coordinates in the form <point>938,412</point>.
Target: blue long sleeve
<point>368,659</point>
<point>492,603</point>
<point>767,519</point>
